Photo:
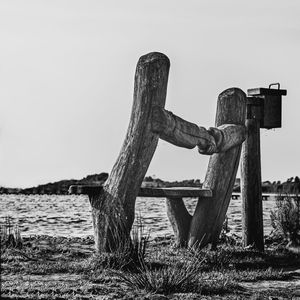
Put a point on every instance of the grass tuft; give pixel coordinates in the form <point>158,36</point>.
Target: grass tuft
<point>174,277</point>
<point>129,254</point>
<point>10,236</point>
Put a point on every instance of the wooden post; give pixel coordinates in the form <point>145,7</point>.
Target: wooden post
<point>210,213</point>
<point>263,111</point>
<point>180,220</point>
<point>113,208</point>
<point>252,211</point>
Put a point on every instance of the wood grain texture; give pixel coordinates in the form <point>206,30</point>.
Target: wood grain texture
<point>226,136</point>
<point>182,133</point>
<point>252,211</point>
<point>180,220</point>
<point>174,192</point>
<point>146,192</point>
<point>210,213</point>
<point>116,202</point>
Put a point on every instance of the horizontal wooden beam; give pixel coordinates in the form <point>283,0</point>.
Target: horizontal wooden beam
<point>175,192</point>
<point>147,192</point>
<point>182,133</point>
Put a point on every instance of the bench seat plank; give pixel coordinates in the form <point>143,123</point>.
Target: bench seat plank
<point>179,192</point>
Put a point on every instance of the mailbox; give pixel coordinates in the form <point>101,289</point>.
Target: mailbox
<point>269,101</point>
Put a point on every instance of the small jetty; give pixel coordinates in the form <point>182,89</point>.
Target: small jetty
<point>238,196</point>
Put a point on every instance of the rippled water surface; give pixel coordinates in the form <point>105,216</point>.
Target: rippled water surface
<point>71,215</point>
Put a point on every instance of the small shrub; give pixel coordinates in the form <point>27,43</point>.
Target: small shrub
<point>286,218</point>
<point>10,236</point>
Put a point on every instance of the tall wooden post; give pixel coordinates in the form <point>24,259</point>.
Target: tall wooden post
<point>210,213</point>
<point>252,212</point>
<point>113,207</point>
<point>263,111</point>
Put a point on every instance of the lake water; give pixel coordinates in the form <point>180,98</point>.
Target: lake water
<point>70,215</point>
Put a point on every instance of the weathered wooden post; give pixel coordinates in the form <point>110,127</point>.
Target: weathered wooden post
<point>263,111</point>
<point>210,213</point>
<point>113,207</point>
<point>252,212</point>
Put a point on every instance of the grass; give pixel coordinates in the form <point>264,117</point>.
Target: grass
<point>66,268</point>
<point>10,236</point>
<point>175,276</point>
<point>128,255</point>
<point>44,267</point>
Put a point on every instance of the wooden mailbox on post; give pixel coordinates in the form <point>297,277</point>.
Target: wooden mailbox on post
<point>269,102</point>
<point>263,111</point>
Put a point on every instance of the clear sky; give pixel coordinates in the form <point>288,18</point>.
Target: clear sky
<point>67,70</point>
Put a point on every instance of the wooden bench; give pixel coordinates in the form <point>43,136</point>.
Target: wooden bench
<point>149,122</point>
<point>180,192</point>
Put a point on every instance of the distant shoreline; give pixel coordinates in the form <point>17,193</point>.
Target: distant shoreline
<point>291,185</point>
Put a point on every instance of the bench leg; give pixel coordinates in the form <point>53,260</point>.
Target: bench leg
<point>180,220</point>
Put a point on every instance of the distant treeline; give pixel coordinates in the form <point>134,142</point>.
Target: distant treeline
<point>292,185</point>
<point>59,187</point>
<point>156,182</point>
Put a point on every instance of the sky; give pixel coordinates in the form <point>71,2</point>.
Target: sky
<point>67,75</point>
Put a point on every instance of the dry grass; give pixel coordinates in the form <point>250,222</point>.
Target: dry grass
<point>178,275</point>
<point>129,254</point>
<point>10,236</point>
<point>285,219</point>
<point>66,268</point>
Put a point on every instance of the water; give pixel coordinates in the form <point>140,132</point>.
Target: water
<point>71,215</point>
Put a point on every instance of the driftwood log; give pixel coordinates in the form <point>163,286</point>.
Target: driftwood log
<point>113,208</point>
